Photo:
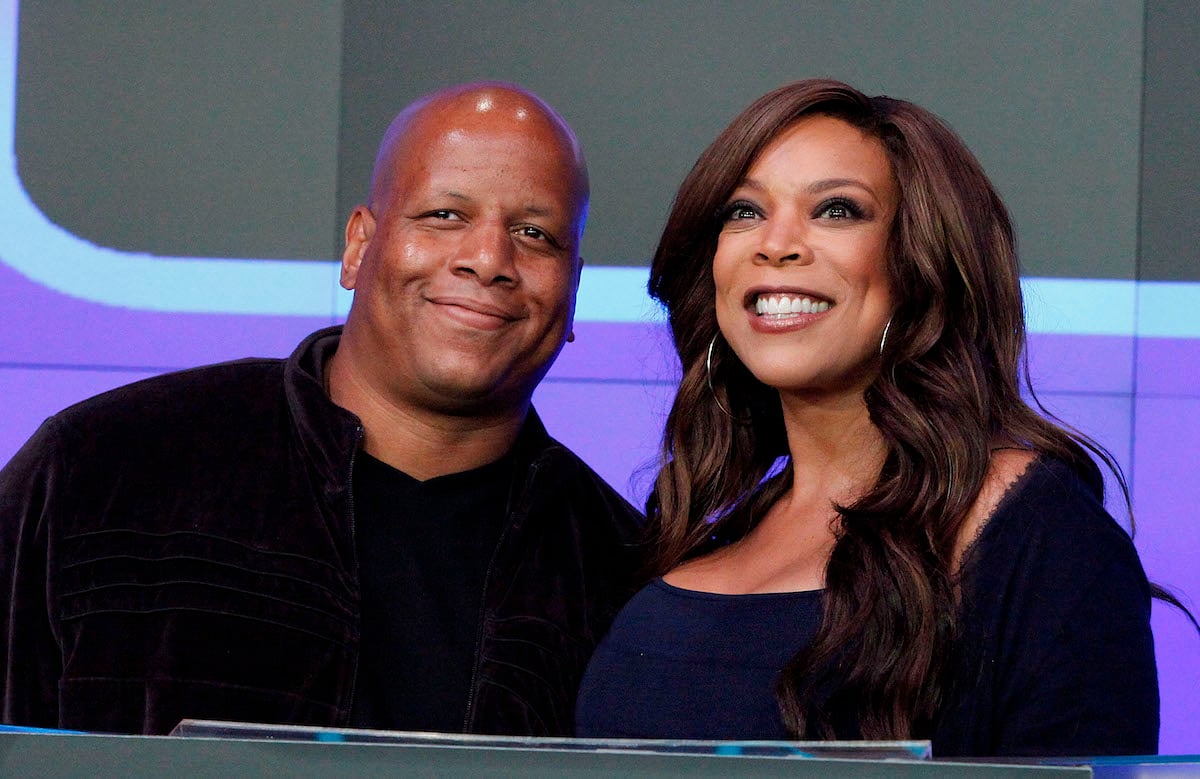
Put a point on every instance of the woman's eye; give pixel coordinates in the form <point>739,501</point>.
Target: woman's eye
<point>740,210</point>
<point>839,209</point>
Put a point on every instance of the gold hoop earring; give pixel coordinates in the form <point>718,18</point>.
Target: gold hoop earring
<point>708,376</point>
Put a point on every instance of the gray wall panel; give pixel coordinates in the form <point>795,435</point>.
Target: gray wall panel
<point>1170,207</point>
<point>1047,94</point>
<point>183,129</point>
<point>229,129</point>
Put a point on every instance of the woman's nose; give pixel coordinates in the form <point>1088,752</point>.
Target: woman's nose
<point>783,240</point>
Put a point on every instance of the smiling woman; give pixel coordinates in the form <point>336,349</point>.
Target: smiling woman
<point>800,265</point>
<point>862,528</point>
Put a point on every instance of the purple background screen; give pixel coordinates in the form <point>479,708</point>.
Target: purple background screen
<point>607,395</point>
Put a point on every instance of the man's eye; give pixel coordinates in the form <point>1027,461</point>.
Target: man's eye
<point>439,215</point>
<point>535,233</point>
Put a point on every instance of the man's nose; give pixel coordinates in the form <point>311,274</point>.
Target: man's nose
<point>489,253</point>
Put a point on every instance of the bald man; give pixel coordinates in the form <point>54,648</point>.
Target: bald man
<point>376,532</point>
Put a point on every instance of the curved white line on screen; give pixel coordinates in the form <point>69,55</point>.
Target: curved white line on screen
<point>56,258</point>
<point>60,260</point>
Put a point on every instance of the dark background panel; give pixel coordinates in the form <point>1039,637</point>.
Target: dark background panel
<point>183,129</point>
<point>231,129</point>
<point>1170,203</point>
<point>648,85</point>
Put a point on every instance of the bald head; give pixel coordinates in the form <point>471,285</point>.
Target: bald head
<point>480,107</point>
<point>465,262</point>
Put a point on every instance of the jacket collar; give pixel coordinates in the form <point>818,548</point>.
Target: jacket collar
<point>329,434</point>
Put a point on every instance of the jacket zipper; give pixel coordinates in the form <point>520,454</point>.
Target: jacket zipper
<point>487,578</point>
<point>358,436</point>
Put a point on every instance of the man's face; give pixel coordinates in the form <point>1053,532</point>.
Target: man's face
<point>466,266</point>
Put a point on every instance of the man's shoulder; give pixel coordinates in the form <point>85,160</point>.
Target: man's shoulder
<point>228,386</point>
<point>154,416</point>
<point>573,482</point>
<point>154,426</point>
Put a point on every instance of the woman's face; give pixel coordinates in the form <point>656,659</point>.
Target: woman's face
<point>800,266</point>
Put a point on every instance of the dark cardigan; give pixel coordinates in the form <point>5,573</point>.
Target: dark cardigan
<point>1055,655</point>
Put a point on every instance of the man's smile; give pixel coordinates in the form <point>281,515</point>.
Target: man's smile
<point>474,312</point>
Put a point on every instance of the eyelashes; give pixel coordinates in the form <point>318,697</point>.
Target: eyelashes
<point>739,210</point>
<point>838,208</point>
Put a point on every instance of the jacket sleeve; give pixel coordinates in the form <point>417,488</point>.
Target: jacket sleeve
<point>29,650</point>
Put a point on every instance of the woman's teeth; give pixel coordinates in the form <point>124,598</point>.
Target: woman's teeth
<point>786,304</point>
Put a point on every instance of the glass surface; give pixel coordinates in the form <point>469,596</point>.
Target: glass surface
<point>856,750</point>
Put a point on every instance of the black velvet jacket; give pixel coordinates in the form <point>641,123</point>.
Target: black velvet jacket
<point>183,548</point>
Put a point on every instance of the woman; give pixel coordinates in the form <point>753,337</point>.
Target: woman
<point>862,529</point>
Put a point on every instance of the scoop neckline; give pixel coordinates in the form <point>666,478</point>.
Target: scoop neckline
<point>704,595</point>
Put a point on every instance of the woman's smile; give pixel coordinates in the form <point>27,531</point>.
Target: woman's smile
<point>801,262</point>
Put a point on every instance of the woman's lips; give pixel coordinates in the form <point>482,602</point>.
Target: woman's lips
<point>775,310</point>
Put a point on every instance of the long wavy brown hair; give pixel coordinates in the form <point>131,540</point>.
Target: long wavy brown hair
<point>948,389</point>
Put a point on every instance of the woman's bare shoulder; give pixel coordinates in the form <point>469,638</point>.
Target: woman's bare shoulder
<point>1005,469</point>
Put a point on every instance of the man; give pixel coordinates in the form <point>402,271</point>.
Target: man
<point>375,532</point>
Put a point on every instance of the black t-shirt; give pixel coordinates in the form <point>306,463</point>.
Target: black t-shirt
<point>423,553</point>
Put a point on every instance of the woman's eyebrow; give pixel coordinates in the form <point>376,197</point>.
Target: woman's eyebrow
<point>825,185</point>
<point>815,187</point>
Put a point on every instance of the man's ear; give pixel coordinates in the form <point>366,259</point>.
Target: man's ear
<point>360,228</point>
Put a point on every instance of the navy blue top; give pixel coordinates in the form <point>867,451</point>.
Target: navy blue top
<point>1055,655</point>
<point>715,658</point>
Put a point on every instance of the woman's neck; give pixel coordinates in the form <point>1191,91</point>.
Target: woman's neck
<point>835,449</point>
